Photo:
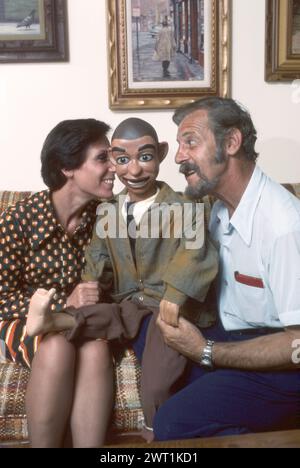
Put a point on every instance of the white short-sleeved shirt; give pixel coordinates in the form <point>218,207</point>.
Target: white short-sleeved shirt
<point>259,278</point>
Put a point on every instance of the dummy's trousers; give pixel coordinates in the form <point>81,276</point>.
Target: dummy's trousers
<point>161,366</point>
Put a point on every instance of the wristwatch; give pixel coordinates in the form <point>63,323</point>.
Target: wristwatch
<point>206,357</point>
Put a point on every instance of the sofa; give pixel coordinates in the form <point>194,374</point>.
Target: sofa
<point>127,413</point>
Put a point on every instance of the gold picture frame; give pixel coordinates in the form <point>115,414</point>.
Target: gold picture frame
<point>282,40</point>
<point>202,56</point>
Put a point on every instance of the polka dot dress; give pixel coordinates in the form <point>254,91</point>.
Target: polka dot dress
<point>36,252</point>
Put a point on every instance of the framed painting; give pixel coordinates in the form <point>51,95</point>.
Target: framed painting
<point>282,40</point>
<point>166,53</point>
<point>33,31</point>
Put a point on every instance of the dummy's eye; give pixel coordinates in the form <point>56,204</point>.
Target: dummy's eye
<point>146,157</point>
<point>122,160</point>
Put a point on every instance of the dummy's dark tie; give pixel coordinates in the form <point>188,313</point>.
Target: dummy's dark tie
<point>131,228</point>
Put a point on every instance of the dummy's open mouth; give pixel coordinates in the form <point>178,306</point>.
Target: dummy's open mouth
<point>136,183</point>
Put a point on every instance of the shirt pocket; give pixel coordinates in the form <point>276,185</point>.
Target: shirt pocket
<point>251,303</point>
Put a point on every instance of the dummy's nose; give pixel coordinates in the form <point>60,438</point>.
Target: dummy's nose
<point>134,168</point>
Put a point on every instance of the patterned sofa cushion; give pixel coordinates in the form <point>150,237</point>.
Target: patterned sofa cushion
<point>127,415</point>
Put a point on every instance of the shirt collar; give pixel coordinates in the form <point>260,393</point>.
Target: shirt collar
<point>47,224</point>
<point>243,217</point>
<point>139,208</point>
<point>88,216</point>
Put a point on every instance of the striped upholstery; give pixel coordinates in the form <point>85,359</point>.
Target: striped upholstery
<point>14,378</point>
<point>10,198</point>
<point>127,415</point>
<point>13,382</point>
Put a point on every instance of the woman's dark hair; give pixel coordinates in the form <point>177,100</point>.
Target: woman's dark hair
<point>224,115</point>
<point>65,148</point>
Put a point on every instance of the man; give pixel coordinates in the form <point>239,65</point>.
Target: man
<point>247,379</point>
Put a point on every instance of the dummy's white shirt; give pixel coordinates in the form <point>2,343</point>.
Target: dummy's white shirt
<point>139,208</point>
<point>261,241</point>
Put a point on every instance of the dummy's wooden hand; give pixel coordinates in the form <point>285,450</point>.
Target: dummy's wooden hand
<point>169,313</point>
<point>42,298</point>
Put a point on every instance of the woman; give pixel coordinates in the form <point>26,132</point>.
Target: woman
<point>42,243</point>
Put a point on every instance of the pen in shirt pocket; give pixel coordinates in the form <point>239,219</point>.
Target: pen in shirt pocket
<point>249,280</point>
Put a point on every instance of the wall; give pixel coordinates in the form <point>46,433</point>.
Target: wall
<point>33,98</point>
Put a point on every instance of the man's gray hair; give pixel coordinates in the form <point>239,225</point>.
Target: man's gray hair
<point>224,115</point>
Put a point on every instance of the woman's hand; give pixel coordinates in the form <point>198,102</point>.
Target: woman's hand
<point>87,293</point>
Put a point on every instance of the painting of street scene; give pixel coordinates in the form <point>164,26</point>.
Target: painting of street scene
<point>168,40</point>
<point>296,27</point>
<point>20,19</point>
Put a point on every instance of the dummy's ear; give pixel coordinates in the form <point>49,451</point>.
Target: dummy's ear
<point>234,142</point>
<point>163,149</point>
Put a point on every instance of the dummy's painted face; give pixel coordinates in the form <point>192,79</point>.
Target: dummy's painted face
<point>136,162</point>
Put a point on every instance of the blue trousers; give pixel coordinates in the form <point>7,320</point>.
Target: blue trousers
<point>225,401</point>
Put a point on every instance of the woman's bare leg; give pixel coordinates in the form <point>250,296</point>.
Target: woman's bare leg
<point>50,392</point>
<point>94,394</point>
<point>58,390</point>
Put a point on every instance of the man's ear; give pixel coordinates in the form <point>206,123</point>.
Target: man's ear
<point>163,149</point>
<point>234,142</point>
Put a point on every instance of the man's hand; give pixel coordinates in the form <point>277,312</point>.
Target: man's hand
<point>84,294</point>
<point>169,313</point>
<point>186,338</point>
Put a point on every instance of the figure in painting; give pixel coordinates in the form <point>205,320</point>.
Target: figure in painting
<point>165,47</point>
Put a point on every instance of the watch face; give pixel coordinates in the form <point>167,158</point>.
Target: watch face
<point>206,362</point>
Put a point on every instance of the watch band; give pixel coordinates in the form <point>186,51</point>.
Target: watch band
<point>206,357</point>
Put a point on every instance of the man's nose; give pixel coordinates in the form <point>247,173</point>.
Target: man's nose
<point>134,167</point>
<point>180,156</point>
